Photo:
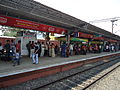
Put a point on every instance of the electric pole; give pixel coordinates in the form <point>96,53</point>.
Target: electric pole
<point>106,20</point>
<point>113,24</point>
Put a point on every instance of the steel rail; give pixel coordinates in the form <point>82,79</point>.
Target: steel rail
<point>106,74</point>
<point>63,78</point>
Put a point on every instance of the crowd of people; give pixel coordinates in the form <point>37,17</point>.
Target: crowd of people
<point>12,50</point>
<point>65,49</point>
<point>40,49</point>
<point>83,49</point>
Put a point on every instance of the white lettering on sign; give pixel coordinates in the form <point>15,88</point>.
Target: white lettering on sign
<point>3,20</point>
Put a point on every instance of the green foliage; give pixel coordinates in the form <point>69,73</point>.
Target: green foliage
<point>10,33</point>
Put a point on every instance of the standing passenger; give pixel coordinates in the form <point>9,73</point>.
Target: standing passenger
<point>1,50</point>
<point>67,50</point>
<point>42,49</point>
<point>39,51</point>
<point>63,50</point>
<point>83,49</point>
<point>46,49</point>
<point>107,48</point>
<point>18,51</point>
<point>12,46</point>
<point>112,48</point>
<point>32,49</point>
<point>35,55</point>
<point>7,49</point>
<point>16,58</point>
<point>90,49</point>
<point>56,50</point>
<point>96,48</point>
<point>50,50</point>
<point>29,48</point>
<point>53,50</point>
<point>71,49</point>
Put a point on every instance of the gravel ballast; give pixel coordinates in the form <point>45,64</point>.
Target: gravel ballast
<point>110,82</point>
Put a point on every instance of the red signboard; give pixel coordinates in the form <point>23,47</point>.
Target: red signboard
<point>98,38</point>
<point>14,22</point>
<point>80,34</point>
<point>110,40</point>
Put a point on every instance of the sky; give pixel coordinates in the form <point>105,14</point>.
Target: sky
<point>89,10</point>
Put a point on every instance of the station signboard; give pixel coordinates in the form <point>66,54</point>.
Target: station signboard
<point>98,38</point>
<point>84,35</point>
<point>110,40</point>
<point>15,22</point>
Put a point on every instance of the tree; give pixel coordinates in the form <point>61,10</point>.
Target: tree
<point>8,31</point>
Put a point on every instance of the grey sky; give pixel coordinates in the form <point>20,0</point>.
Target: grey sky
<point>89,10</point>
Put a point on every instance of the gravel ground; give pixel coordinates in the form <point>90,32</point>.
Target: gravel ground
<point>111,82</point>
<point>79,81</point>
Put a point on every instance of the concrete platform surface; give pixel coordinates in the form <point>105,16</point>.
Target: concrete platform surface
<point>7,68</point>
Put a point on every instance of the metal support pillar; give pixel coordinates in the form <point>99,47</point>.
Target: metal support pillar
<point>68,37</point>
<point>68,43</point>
<point>47,38</point>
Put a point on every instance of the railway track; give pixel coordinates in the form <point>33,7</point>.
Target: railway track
<point>83,79</point>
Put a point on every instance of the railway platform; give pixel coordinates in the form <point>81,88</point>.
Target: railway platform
<point>47,66</point>
<point>7,68</point>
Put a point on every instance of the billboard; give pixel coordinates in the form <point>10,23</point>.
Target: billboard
<point>15,22</point>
